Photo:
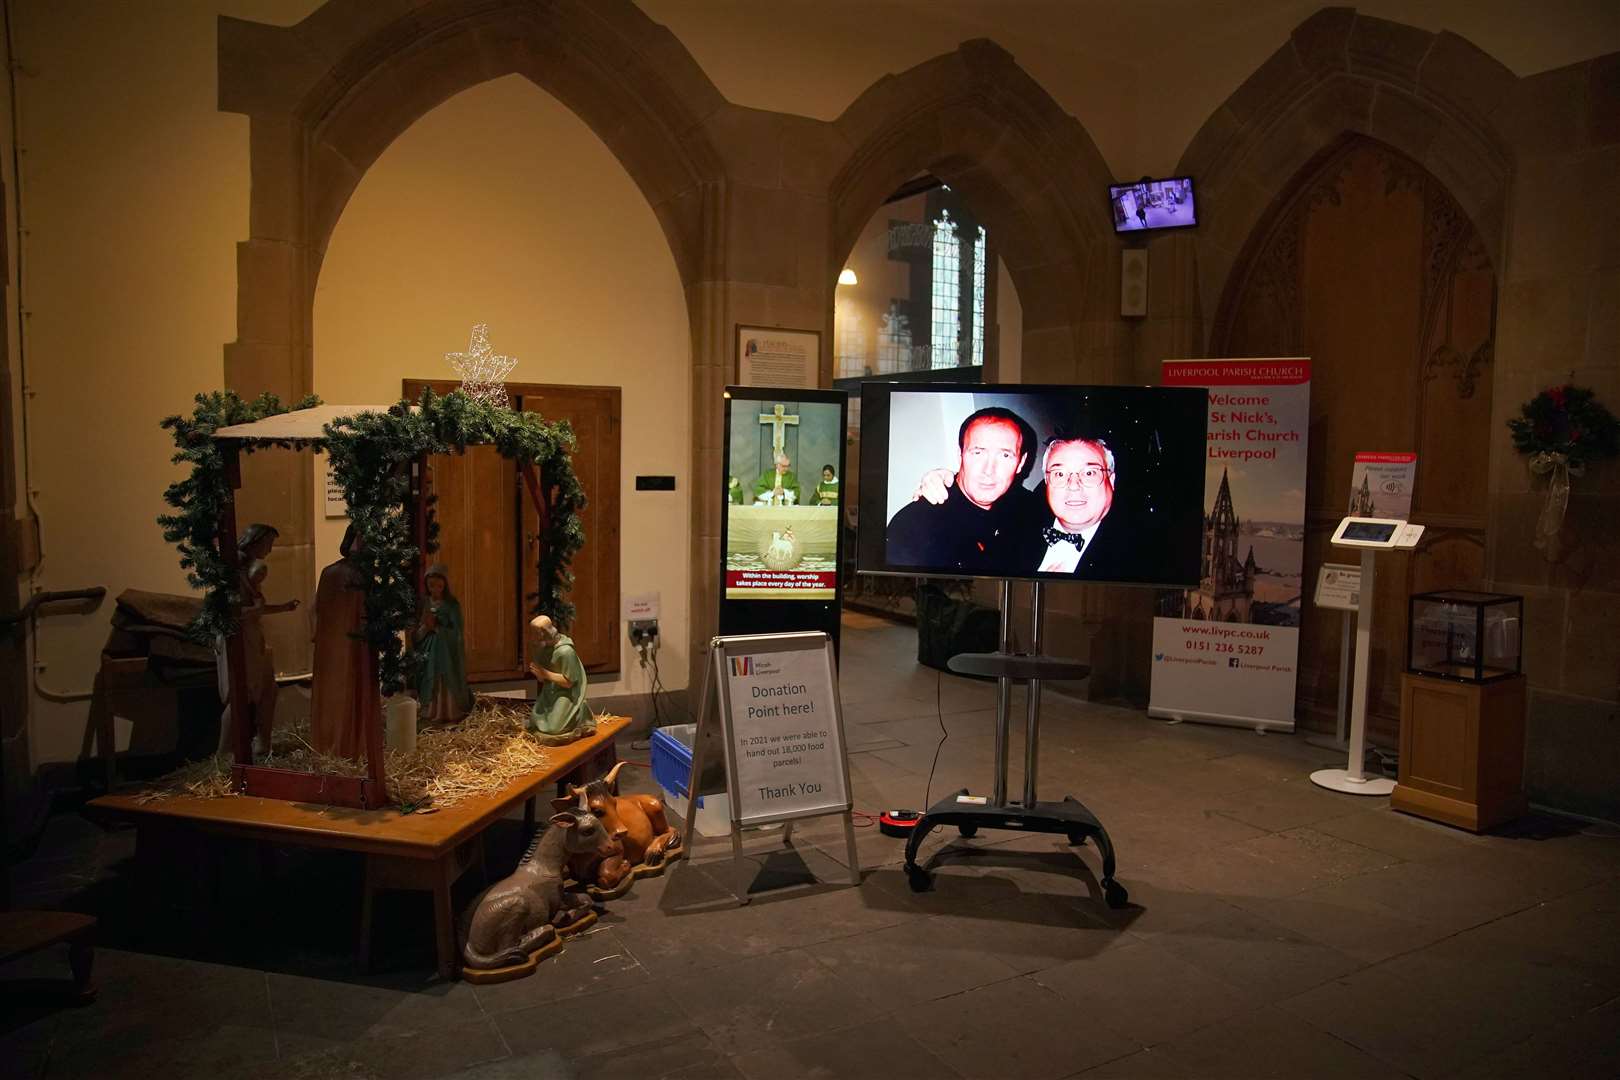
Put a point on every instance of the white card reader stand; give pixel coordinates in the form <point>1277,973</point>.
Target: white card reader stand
<point>1371,535</point>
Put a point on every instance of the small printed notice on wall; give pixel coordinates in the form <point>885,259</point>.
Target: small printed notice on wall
<point>336,505</point>
<point>786,739</point>
<point>785,358</point>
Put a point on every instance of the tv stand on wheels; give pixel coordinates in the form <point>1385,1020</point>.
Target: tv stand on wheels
<point>968,814</point>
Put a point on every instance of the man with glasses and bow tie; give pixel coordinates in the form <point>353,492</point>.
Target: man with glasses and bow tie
<point>1079,489</point>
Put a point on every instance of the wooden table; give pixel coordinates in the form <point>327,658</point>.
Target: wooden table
<point>428,852</point>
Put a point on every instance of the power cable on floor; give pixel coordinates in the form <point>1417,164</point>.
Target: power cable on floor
<point>939,713</point>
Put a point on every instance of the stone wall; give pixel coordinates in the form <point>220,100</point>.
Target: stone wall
<point>760,209</point>
<point>1559,320</point>
<point>1535,163</point>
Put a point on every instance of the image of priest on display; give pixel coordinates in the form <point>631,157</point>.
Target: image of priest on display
<point>781,532</point>
<point>973,518</point>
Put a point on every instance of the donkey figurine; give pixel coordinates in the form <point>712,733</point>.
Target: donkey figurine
<point>522,915</point>
<point>648,839</point>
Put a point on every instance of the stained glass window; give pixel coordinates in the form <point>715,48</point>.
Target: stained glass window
<point>947,304</point>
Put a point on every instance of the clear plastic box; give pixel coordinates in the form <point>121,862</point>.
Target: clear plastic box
<point>1464,635</point>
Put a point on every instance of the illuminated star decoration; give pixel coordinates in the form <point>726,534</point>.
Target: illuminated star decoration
<point>483,372</point>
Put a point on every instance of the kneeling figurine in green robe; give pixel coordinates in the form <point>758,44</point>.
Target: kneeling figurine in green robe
<point>560,714</point>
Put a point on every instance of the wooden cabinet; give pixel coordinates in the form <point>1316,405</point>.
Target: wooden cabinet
<point>1462,751</point>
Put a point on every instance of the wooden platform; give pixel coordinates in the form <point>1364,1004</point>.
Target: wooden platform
<point>427,851</point>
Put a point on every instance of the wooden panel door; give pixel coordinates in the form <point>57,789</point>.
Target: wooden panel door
<point>1370,267</point>
<point>593,411</point>
<point>478,521</point>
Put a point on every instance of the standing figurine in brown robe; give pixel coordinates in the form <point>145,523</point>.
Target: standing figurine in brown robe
<point>252,549</point>
<point>337,696</point>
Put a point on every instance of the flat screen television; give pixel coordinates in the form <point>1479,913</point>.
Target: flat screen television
<point>1150,205</point>
<point>1095,483</point>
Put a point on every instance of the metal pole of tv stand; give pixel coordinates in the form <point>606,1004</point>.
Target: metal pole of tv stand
<point>969,813</point>
<point>1003,697</point>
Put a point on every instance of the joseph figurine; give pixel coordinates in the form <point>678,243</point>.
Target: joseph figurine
<point>336,723</point>
<point>560,714</point>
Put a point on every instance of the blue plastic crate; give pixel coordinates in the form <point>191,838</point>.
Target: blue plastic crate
<point>672,758</point>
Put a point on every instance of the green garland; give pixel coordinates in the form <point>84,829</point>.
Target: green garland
<point>199,499</point>
<point>371,454</point>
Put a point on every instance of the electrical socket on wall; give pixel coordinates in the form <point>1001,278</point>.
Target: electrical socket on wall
<point>643,632</point>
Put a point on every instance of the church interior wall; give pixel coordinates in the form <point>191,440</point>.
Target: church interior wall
<point>469,216</point>
<point>136,192</point>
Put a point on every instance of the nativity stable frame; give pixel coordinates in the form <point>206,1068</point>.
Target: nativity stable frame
<point>380,458</point>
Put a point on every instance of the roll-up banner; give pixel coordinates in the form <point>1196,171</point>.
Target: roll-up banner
<point>1227,651</point>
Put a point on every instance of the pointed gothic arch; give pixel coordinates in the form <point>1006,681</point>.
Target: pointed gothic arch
<point>1031,172</point>
<point>1430,96</point>
<point>326,96</point>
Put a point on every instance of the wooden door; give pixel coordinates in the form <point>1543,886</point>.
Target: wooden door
<point>477,495</point>
<point>1370,267</point>
<point>593,411</point>
<point>487,533</point>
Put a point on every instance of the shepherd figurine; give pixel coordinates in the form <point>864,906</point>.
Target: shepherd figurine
<point>560,714</point>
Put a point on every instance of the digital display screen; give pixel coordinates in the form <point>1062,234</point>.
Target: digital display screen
<point>1368,530</point>
<point>1101,483</point>
<point>1146,205</point>
<point>784,484</point>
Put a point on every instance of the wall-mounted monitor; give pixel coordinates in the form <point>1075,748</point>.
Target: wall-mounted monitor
<point>1151,205</point>
<point>1098,483</point>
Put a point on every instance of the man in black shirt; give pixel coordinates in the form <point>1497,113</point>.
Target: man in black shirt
<point>985,508</point>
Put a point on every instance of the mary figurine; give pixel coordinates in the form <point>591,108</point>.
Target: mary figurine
<point>443,686</point>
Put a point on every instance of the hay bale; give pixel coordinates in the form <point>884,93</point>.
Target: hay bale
<point>479,756</point>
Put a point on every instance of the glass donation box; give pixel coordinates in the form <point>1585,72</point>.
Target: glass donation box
<point>1469,636</point>
<point>1462,710</point>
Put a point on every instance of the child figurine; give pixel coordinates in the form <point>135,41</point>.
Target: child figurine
<point>827,489</point>
<point>443,688</point>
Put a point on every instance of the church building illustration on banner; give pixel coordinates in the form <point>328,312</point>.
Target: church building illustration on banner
<point>1225,591</point>
<point>1262,590</point>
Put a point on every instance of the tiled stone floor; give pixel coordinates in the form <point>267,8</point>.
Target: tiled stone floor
<point>1276,930</point>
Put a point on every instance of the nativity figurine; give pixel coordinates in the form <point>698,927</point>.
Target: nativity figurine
<point>560,714</point>
<point>517,920</point>
<point>639,824</point>
<point>337,695</point>
<point>252,549</point>
<point>442,687</point>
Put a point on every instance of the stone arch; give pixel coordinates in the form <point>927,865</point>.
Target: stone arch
<point>1431,96</point>
<point>976,120</point>
<point>326,96</point>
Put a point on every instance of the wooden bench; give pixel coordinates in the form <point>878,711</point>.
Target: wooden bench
<point>423,851</point>
<point>24,932</point>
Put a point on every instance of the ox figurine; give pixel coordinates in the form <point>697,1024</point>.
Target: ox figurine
<point>517,921</point>
<point>649,841</point>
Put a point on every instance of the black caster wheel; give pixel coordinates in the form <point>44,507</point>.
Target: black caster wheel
<point>919,878</point>
<point>1076,839</point>
<point>1114,894</point>
<point>968,831</point>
